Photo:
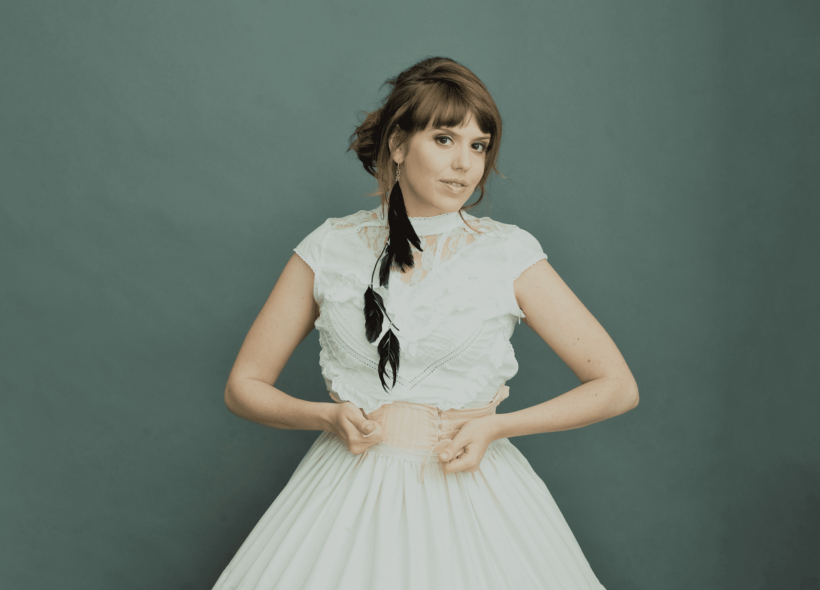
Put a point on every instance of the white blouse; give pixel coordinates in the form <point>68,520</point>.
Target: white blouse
<point>455,310</point>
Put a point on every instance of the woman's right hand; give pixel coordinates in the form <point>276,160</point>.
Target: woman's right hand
<point>356,431</point>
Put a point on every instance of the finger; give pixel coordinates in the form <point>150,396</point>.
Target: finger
<point>453,450</point>
<point>363,425</point>
<point>463,463</point>
<point>353,430</point>
<point>372,427</point>
<point>364,432</point>
<point>456,456</point>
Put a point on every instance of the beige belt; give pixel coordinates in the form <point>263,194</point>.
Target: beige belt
<point>419,427</point>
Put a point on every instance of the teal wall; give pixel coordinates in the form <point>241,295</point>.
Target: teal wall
<point>770,291</point>
<point>160,160</point>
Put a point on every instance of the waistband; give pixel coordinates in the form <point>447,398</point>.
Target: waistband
<point>422,427</point>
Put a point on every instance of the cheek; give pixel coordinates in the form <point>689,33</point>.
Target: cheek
<point>478,169</point>
<point>428,167</point>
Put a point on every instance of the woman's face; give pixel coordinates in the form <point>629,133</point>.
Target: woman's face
<point>435,157</point>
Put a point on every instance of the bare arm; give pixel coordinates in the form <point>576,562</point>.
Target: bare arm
<point>285,320</point>
<point>561,320</point>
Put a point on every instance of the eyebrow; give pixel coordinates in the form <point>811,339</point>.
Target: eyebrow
<point>448,130</point>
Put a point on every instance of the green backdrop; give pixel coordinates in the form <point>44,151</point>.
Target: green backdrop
<point>160,160</point>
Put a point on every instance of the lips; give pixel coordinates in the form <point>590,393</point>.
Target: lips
<point>456,182</point>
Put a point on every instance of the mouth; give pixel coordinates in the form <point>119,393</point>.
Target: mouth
<point>454,184</point>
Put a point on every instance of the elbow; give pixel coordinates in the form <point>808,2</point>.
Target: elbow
<point>230,399</point>
<point>633,397</point>
<point>625,397</point>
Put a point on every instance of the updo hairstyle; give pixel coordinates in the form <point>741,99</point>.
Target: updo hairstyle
<point>437,89</point>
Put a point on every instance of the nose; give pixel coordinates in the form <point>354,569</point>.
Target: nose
<point>461,158</point>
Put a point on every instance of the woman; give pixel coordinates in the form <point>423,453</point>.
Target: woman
<point>414,483</point>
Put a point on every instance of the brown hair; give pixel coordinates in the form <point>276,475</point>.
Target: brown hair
<point>436,89</point>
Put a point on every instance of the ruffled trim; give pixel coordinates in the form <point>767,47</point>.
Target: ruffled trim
<point>348,286</point>
<point>358,384</point>
<point>349,383</point>
<point>419,314</point>
<point>419,309</point>
<point>481,374</point>
<point>338,378</point>
<point>453,288</point>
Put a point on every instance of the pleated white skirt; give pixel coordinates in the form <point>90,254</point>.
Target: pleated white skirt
<point>362,522</point>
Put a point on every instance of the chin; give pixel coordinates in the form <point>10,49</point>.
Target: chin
<point>450,206</point>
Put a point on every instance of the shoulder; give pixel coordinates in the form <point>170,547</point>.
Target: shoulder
<point>486,227</point>
<point>310,247</point>
<point>507,232</point>
<point>521,239</point>
<point>523,250</point>
<point>355,221</point>
<point>315,244</point>
<point>517,248</point>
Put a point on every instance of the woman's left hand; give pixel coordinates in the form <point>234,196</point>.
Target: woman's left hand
<point>465,451</point>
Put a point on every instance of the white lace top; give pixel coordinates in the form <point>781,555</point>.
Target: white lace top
<point>455,310</point>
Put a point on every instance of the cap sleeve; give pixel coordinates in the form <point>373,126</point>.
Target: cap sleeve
<point>524,251</point>
<point>310,248</point>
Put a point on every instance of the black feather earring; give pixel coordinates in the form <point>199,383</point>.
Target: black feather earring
<point>401,236</point>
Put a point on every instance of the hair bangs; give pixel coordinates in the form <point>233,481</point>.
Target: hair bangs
<point>442,106</point>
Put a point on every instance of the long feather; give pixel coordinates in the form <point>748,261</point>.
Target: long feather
<point>389,351</point>
<point>384,270</point>
<point>397,249</point>
<point>402,235</point>
<point>401,230</point>
<point>373,315</point>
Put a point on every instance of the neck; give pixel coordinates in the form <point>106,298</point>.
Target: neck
<point>430,224</point>
<point>420,212</point>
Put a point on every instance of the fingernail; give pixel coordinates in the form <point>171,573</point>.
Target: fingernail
<point>445,456</point>
<point>368,428</point>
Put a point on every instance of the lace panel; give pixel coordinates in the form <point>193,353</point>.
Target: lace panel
<point>436,249</point>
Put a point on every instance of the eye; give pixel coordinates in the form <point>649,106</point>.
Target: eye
<point>445,138</point>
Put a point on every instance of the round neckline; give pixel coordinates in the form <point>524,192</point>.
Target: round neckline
<point>428,226</point>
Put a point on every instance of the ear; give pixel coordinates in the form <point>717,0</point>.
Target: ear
<point>396,153</point>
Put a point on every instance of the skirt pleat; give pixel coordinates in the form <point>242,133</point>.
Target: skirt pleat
<point>362,522</point>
